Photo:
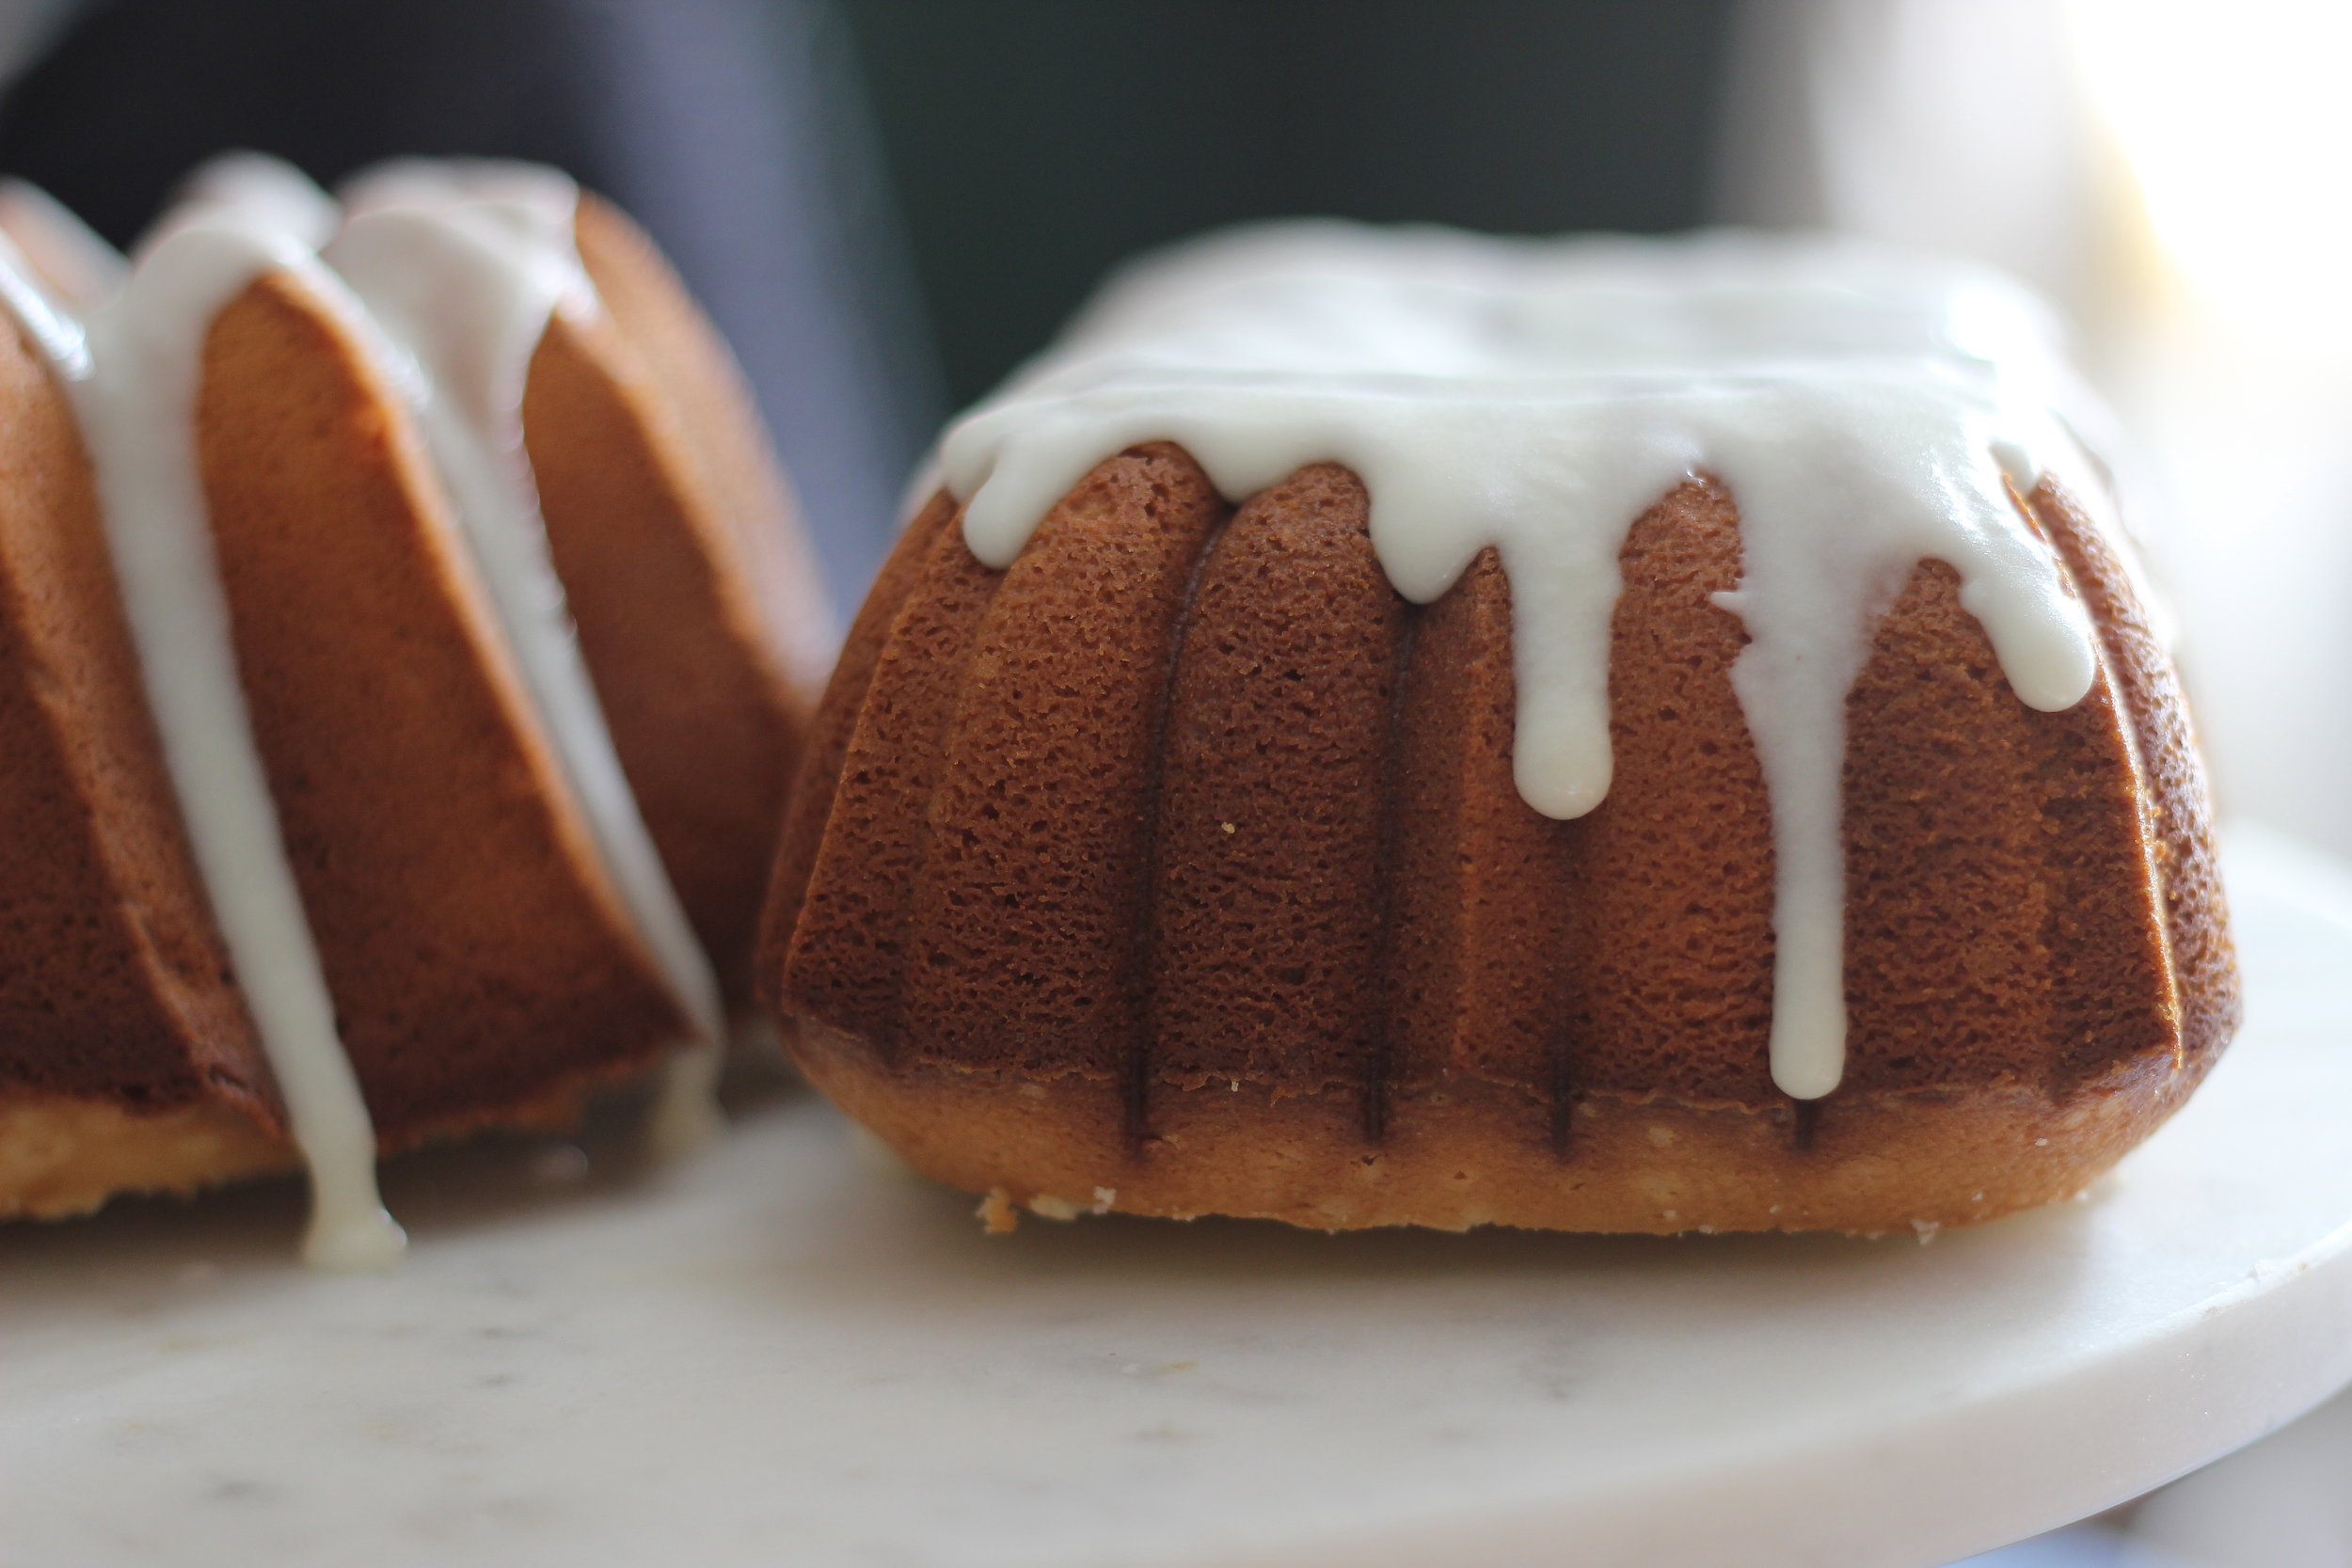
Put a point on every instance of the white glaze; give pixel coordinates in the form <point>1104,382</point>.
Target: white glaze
<point>137,404</point>
<point>80,269</point>
<point>1865,410</point>
<point>544,201</point>
<point>463,265</point>
<point>32,303</point>
<point>266,190</point>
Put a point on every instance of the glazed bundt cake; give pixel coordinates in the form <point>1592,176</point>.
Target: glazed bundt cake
<point>343,839</point>
<point>1388,727</point>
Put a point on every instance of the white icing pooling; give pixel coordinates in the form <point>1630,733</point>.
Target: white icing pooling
<point>136,405</point>
<point>463,265</point>
<point>1866,411</point>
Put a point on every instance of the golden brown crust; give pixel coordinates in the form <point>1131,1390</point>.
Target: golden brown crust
<point>699,609</point>
<point>1459,1157</point>
<point>711,423</point>
<point>1319,887</point>
<point>62,1155</point>
<point>1048,764</point>
<point>480,956</point>
<point>2185,860</point>
<point>114,981</point>
<point>819,772</point>
<point>1267,912</point>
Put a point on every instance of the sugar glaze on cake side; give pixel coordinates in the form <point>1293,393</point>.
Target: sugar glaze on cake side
<point>1866,411</point>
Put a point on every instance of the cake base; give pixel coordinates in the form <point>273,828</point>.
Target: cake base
<point>1479,1155</point>
<point>63,1155</point>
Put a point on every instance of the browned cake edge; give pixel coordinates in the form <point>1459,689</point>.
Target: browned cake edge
<point>63,1155</point>
<point>1456,1157</point>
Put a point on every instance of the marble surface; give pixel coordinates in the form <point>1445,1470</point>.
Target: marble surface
<point>2278,1504</point>
<point>783,1352</point>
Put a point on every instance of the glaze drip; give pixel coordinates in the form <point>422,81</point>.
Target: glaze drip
<point>137,401</point>
<point>1866,411</point>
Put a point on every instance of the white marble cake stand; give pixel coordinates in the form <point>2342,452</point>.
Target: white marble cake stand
<point>779,1355</point>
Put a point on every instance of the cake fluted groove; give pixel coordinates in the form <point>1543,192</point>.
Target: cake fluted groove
<point>1380,1064</point>
<point>1135,1073</point>
<point>1266,895</point>
<point>1479,893</point>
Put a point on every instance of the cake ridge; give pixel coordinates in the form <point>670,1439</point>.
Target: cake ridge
<point>114,960</point>
<point>464,266</point>
<point>944,605</point>
<point>819,775</point>
<point>1032,869</point>
<point>697,597</point>
<point>2199,954</point>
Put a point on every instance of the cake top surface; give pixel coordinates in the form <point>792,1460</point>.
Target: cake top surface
<point>1320,299</point>
<point>1537,395</point>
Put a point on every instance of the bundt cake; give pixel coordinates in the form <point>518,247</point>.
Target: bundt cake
<point>333,835</point>
<point>1391,727</point>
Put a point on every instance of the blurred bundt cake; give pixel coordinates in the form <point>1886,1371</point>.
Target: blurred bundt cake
<point>1386,727</point>
<point>330,832</point>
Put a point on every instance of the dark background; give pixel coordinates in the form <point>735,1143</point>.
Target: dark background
<point>1035,143</point>
<point>888,203</point>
